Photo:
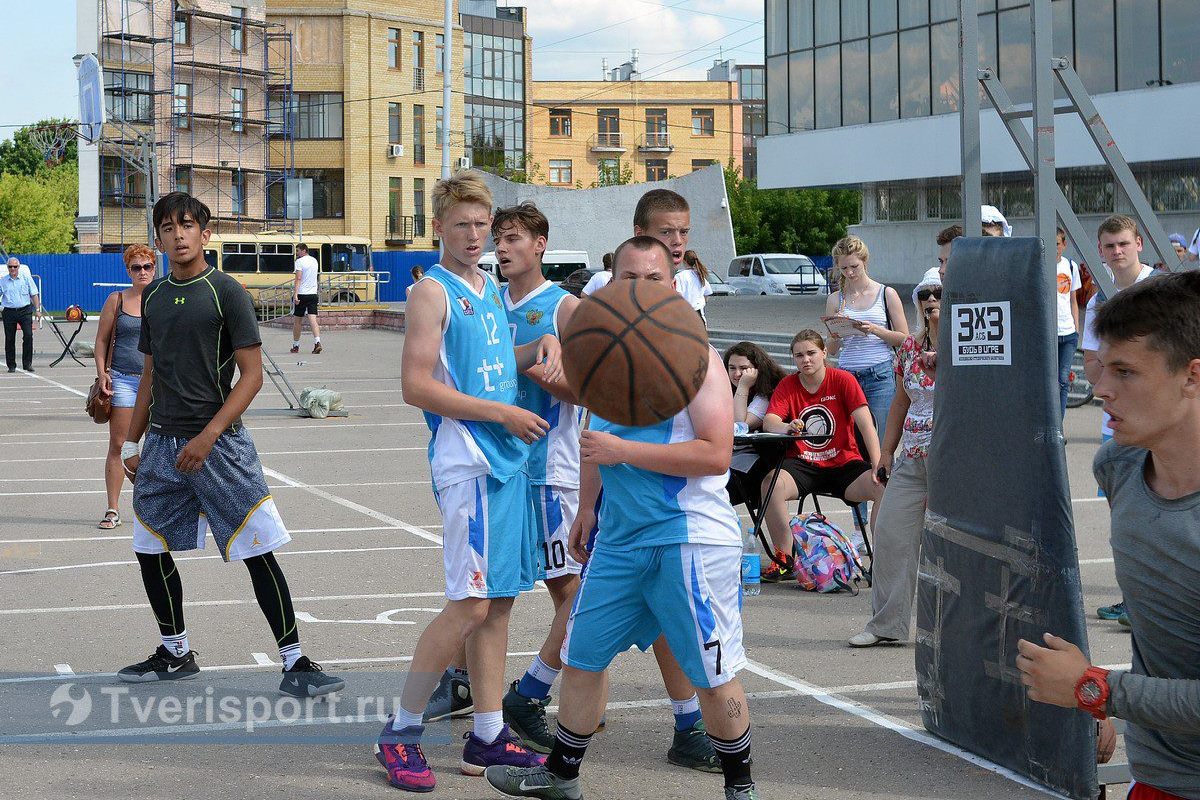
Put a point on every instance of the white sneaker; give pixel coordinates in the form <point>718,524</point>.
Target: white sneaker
<point>867,639</point>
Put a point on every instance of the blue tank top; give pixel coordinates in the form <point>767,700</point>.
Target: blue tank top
<point>640,508</point>
<point>126,357</point>
<point>477,359</point>
<point>553,459</point>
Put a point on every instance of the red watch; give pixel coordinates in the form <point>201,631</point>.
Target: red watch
<point>1091,693</point>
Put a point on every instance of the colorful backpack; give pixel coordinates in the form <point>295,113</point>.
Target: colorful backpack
<point>826,561</point>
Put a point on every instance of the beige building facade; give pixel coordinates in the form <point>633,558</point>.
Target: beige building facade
<point>597,133</point>
<point>365,110</point>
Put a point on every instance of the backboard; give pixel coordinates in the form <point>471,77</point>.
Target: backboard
<point>91,98</point>
<point>298,198</point>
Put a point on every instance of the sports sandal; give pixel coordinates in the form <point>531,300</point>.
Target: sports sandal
<point>111,520</point>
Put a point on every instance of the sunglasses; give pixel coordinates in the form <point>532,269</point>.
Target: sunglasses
<point>925,294</point>
<point>141,268</point>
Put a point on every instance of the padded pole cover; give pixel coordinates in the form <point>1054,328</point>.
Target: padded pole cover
<point>998,557</point>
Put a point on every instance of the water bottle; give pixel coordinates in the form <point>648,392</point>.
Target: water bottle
<point>751,565</point>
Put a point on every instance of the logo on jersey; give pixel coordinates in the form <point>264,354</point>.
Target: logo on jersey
<point>533,317</point>
<point>1064,283</point>
<point>467,308</point>
<point>495,299</point>
<point>180,301</point>
<point>819,426</point>
<point>477,582</point>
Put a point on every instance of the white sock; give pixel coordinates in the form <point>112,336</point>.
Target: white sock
<point>406,719</point>
<point>290,655</point>
<point>689,706</point>
<point>316,340</point>
<point>542,671</point>
<point>488,724</point>
<point>295,343</point>
<point>176,645</point>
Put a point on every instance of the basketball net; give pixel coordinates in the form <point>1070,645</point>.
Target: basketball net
<point>52,140</point>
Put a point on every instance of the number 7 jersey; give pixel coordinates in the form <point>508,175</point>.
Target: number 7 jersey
<point>477,359</point>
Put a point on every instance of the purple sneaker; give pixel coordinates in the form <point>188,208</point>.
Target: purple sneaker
<point>399,752</point>
<point>506,751</point>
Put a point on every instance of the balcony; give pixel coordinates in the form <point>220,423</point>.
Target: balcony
<point>606,143</point>
<point>655,142</point>
<point>418,79</point>
<point>399,230</point>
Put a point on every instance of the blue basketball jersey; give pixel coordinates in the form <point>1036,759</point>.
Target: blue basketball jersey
<point>640,508</point>
<point>553,459</point>
<point>477,359</point>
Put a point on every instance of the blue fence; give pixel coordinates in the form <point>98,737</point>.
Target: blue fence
<point>400,264</point>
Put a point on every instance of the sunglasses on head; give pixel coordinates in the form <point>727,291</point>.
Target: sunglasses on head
<point>925,294</point>
<point>141,267</point>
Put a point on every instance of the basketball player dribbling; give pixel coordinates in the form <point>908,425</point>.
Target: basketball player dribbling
<point>459,366</point>
<point>667,566</point>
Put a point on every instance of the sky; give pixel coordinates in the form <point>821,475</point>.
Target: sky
<point>677,40</point>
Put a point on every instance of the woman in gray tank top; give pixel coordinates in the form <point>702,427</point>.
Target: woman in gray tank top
<point>122,312</point>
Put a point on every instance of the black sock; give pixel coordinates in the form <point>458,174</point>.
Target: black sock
<point>735,759</point>
<point>567,754</point>
<point>271,590</point>
<point>164,589</point>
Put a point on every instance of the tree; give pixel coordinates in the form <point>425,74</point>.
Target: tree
<point>20,156</point>
<point>34,215</point>
<point>806,221</point>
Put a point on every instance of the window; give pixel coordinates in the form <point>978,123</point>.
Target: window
<point>656,169</point>
<point>237,109</point>
<point>560,172</point>
<point>237,30</point>
<point>418,206</point>
<point>439,45</point>
<point>885,82</point>
<point>121,183</point>
<point>560,122</point>
<point>1171,187</point>
<point>800,73</point>
<point>393,48</point>
<point>828,87</point>
<point>394,121</point>
<point>777,95</point>
<point>395,225</point>
<point>608,127</point>
<point>437,126</point>
<point>183,105</point>
<point>418,56</point>
<point>656,128</point>
<point>856,93</point>
<point>777,17</point>
<point>239,257</point>
<point>896,203</point>
<point>701,163</point>
<point>914,72</point>
<point>800,24</point>
<point>276,258</point>
<point>610,171</point>
<point>182,32</point>
<point>127,96</point>
<point>1180,32</point>
<point>183,179</point>
<point>237,192</point>
<point>1096,61</point>
<point>418,116</point>
<point>318,115</point>
<point>328,194</point>
<point>702,122</point>
<point>1137,44</point>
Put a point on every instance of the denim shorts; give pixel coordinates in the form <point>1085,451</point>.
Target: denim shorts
<point>124,388</point>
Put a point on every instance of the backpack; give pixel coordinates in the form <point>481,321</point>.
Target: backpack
<point>825,561</point>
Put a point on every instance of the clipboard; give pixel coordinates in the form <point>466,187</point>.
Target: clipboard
<point>842,326</point>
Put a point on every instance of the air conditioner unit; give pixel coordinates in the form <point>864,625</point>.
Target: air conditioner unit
<point>395,150</point>
<point>464,162</point>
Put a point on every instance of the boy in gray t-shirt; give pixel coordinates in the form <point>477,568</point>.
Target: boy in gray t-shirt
<point>1150,384</point>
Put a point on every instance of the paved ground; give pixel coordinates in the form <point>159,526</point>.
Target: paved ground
<point>365,570</point>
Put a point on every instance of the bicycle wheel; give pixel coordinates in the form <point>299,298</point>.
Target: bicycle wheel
<point>1079,388</point>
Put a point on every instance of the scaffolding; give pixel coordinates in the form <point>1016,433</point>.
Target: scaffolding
<point>192,82</point>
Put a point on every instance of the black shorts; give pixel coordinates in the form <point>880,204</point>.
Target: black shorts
<point>306,304</point>
<point>824,480</point>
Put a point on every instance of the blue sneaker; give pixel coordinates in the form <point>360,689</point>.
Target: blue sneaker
<point>506,751</point>
<point>400,753</point>
<point>1111,612</point>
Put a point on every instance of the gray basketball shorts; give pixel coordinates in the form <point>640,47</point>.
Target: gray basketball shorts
<point>228,496</point>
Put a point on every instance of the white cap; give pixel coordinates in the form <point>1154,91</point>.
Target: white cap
<point>930,279</point>
<point>991,216</point>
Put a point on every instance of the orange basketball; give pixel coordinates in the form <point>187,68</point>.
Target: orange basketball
<point>635,352</point>
<point>74,313</point>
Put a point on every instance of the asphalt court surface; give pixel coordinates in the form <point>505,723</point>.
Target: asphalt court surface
<point>365,570</point>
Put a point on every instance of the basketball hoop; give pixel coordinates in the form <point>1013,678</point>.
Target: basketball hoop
<point>52,140</point>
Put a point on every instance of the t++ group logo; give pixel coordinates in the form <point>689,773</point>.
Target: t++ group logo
<point>76,709</point>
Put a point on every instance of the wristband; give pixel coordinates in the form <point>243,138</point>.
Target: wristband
<point>129,450</point>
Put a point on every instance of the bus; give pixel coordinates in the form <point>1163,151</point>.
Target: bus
<point>265,264</point>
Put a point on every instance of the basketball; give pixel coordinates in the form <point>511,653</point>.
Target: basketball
<point>74,313</point>
<point>635,352</point>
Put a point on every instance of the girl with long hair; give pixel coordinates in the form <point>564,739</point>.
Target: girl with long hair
<point>753,376</point>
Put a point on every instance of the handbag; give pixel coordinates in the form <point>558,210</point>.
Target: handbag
<point>98,406</point>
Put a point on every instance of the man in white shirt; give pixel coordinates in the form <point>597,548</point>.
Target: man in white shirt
<point>1066,284</point>
<point>601,278</point>
<point>304,298</point>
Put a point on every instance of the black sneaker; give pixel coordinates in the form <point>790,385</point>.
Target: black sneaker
<point>162,666</point>
<point>526,718</point>
<point>692,749</point>
<point>305,679</point>
<point>450,700</point>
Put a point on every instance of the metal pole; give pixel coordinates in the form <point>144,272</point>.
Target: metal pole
<point>1044,185</point>
<point>968,115</point>
<point>149,165</point>
<point>447,84</point>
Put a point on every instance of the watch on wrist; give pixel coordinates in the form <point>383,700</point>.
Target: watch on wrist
<point>1092,691</point>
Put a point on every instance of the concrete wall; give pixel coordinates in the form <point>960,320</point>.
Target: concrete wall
<point>902,251</point>
<point>597,220</point>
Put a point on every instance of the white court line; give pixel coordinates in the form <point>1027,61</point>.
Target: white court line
<point>263,660</point>
<point>290,530</point>
<point>899,726</point>
<point>129,489</point>
<point>280,553</point>
<point>44,379</point>
<point>238,602</point>
<point>64,669</point>
<point>304,427</point>
<point>422,448</point>
<point>341,501</point>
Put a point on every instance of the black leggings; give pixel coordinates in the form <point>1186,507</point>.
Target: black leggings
<point>165,592</point>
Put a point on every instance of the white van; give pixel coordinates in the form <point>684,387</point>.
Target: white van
<point>776,273</point>
<point>556,264</point>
